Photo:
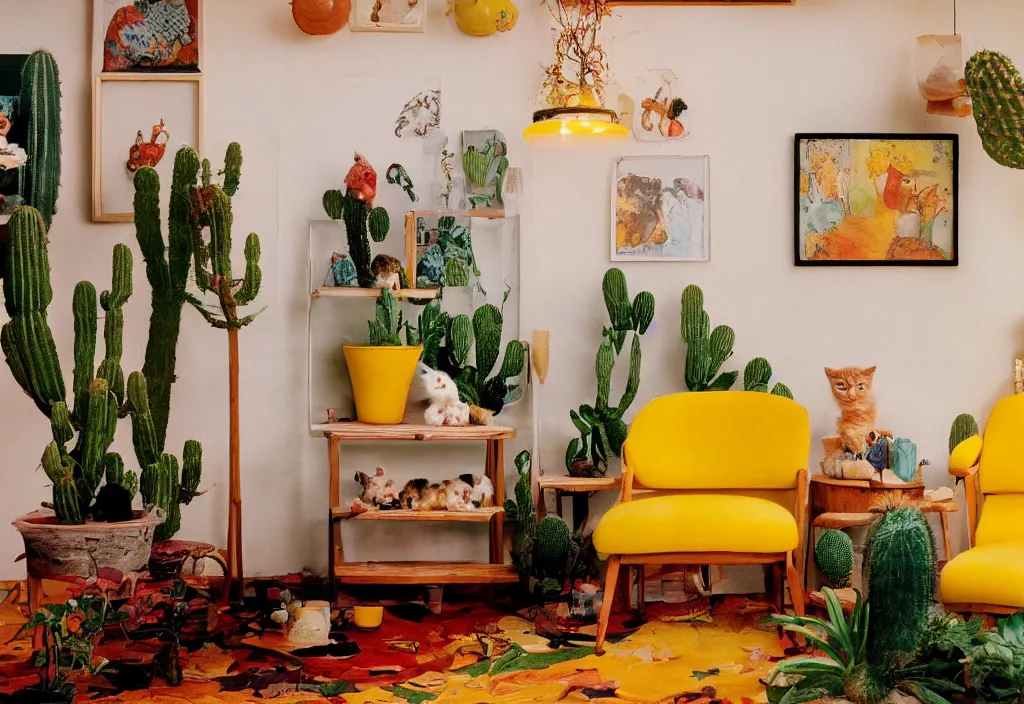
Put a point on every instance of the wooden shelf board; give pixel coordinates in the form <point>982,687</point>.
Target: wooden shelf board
<point>487,213</point>
<point>480,515</point>
<point>579,484</point>
<point>424,573</point>
<point>355,292</point>
<point>410,432</point>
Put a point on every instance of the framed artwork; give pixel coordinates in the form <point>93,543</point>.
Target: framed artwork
<point>158,36</point>
<point>14,163</point>
<point>876,199</point>
<point>660,209</point>
<point>140,120</point>
<point>389,16</point>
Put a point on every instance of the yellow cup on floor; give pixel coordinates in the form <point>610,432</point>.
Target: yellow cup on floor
<point>367,618</point>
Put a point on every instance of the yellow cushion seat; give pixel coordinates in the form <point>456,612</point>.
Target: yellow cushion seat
<point>696,523</point>
<point>990,574</point>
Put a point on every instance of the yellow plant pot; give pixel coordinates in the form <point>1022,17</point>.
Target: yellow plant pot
<point>381,378</point>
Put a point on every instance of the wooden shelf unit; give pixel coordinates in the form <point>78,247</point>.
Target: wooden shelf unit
<point>492,572</point>
<point>356,292</point>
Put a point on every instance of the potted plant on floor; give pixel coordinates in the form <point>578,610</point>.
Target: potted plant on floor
<point>381,370</point>
<point>89,524</point>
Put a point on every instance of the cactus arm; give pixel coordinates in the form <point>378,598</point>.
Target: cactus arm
<point>695,321</point>
<point>615,291</point>
<point>232,169</point>
<point>60,470</point>
<point>191,471</point>
<point>219,222</point>
<point>603,367</point>
<point>10,351</point>
<point>757,374</point>
<point>514,362</point>
<point>27,281</point>
<point>633,381</point>
<point>84,311</point>
<point>113,323</point>
<point>38,355</point>
<point>379,222</point>
<point>144,436</point>
<point>781,389</point>
<point>60,424</point>
<point>724,381</point>
<point>181,225</point>
<point>114,466</point>
<point>96,437</point>
<point>253,275</point>
<point>40,92</point>
<point>643,311</point>
<point>332,202</point>
<point>487,326</point>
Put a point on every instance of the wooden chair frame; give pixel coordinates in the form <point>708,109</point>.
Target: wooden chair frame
<point>972,489</point>
<point>791,560</point>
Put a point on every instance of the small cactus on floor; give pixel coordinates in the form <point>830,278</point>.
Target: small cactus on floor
<point>387,324</point>
<point>601,427</point>
<point>964,426</point>
<point>552,551</point>
<point>521,511</point>
<point>833,554</point>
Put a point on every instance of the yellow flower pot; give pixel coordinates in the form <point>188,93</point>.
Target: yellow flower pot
<point>381,379</point>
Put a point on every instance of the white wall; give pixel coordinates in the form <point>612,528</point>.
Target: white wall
<point>943,339</point>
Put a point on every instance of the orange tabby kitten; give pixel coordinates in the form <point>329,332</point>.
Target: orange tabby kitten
<point>851,387</point>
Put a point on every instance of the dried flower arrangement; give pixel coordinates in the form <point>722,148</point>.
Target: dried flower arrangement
<point>577,45</point>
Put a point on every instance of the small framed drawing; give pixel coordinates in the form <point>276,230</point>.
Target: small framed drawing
<point>140,120</point>
<point>876,199</point>
<point>389,16</point>
<point>158,36</point>
<point>660,209</point>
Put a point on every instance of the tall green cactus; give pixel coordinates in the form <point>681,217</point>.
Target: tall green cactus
<point>900,577</point>
<point>474,381</point>
<point>707,350</point>
<point>40,91</point>
<point>964,426</point>
<point>212,259</point>
<point>602,430</point>
<point>997,99</point>
<point>27,343</point>
<point>522,512</point>
<point>359,220</point>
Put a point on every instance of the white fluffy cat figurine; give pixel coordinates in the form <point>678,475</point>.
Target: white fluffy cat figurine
<point>445,407</point>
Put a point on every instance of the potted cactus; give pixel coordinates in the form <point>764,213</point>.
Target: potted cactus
<point>381,370</point>
<point>89,524</point>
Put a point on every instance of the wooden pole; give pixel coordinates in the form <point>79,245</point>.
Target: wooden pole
<point>236,575</point>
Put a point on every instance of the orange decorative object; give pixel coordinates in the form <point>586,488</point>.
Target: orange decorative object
<point>149,153</point>
<point>321,16</point>
<point>361,180</point>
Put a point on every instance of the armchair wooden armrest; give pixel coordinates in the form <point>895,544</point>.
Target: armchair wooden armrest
<point>962,473</point>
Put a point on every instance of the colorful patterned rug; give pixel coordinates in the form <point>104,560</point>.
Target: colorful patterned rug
<point>470,652</point>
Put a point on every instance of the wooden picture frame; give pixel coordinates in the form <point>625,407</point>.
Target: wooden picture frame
<point>112,202</point>
<point>701,3</point>
<point>362,12</point>
<point>101,25</point>
<point>876,199</point>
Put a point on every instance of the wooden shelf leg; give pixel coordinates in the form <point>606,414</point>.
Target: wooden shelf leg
<point>34,585</point>
<point>495,465</point>
<point>944,519</point>
<point>336,553</point>
<point>558,502</point>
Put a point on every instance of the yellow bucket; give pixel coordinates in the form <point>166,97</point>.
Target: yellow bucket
<point>381,379</point>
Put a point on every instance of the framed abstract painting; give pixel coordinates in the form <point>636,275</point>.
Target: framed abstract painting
<point>150,36</point>
<point>660,209</point>
<point>876,199</point>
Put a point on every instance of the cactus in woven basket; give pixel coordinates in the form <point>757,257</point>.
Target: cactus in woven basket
<point>521,511</point>
<point>552,550</point>
<point>482,334</point>
<point>997,99</point>
<point>707,350</point>
<point>100,394</point>
<point>900,576</point>
<point>387,323</point>
<point>602,430</point>
<point>40,92</point>
<point>361,223</point>
<point>964,426</point>
<point>833,554</point>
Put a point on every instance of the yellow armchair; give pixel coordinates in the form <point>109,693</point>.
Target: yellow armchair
<point>989,577</point>
<point>710,478</point>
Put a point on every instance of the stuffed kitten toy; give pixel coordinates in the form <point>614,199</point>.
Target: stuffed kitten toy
<point>445,407</point>
<point>482,494</point>
<point>421,495</point>
<point>387,272</point>
<point>459,494</point>
<point>851,387</point>
<point>379,492</point>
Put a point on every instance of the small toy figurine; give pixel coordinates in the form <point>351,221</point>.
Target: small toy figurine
<point>387,272</point>
<point>149,153</point>
<point>445,407</point>
<point>343,271</point>
<point>397,175</point>
<point>361,180</point>
<point>379,492</point>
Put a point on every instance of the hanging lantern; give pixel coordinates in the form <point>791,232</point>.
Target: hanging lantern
<point>940,75</point>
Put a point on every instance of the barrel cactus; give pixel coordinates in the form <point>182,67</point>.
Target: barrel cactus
<point>833,553</point>
<point>552,550</point>
<point>997,98</point>
<point>40,91</point>
<point>964,426</point>
<point>601,427</point>
<point>100,394</point>
<point>707,350</point>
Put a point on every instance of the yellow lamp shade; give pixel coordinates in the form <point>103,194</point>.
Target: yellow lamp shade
<point>572,125</point>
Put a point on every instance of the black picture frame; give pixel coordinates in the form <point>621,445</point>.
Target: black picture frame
<point>803,137</point>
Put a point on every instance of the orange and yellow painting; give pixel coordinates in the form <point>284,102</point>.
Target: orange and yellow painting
<point>876,199</point>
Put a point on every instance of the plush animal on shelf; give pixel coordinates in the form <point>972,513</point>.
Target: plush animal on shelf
<point>459,494</point>
<point>445,407</point>
<point>387,272</point>
<point>851,387</point>
<point>379,493</point>
<point>421,495</point>
<point>483,490</point>
<point>481,416</point>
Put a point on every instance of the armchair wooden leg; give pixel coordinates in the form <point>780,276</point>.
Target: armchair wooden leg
<point>606,605</point>
<point>795,581</point>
